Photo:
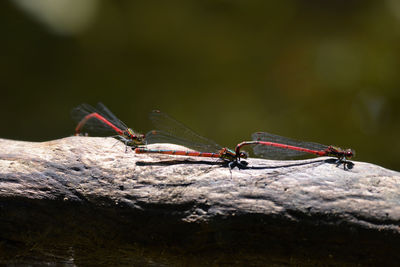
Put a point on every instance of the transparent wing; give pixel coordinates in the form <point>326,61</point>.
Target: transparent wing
<point>272,152</point>
<point>168,130</point>
<point>105,112</point>
<point>94,126</point>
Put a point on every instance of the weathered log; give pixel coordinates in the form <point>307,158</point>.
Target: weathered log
<point>82,200</point>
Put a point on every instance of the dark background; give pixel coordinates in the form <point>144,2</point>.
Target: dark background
<point>322,71</point>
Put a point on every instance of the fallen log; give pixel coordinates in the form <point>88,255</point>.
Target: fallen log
<point>84,200</point>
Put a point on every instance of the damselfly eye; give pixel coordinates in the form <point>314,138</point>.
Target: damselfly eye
<point>349,153</point>
<point>243,154</point>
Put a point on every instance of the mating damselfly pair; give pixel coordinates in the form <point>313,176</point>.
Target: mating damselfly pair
<point>101,121</point>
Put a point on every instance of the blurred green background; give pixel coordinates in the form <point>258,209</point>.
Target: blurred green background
<point>322,71</point>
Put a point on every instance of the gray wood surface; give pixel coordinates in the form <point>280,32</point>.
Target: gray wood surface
<point>72,199</point>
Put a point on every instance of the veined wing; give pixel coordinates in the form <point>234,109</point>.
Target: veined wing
<point>273,152</point>
<point>168,130</point>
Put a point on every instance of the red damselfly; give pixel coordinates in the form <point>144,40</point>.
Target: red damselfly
<point>278,147</point>
<point>100,121</point>
<point>171,131</point>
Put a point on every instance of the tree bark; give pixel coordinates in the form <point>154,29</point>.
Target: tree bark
<point>85,200</point>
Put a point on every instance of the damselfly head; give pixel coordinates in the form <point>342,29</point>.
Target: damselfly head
<point>349,153</point>
<point>243,155</point>
<point>136,139</point>
<point>139,139</point>
<point>338,152</point>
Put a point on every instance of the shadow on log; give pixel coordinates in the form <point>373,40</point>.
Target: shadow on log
<point>83,201</point>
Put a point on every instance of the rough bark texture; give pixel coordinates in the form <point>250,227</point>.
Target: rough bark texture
<point>80,201</point>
